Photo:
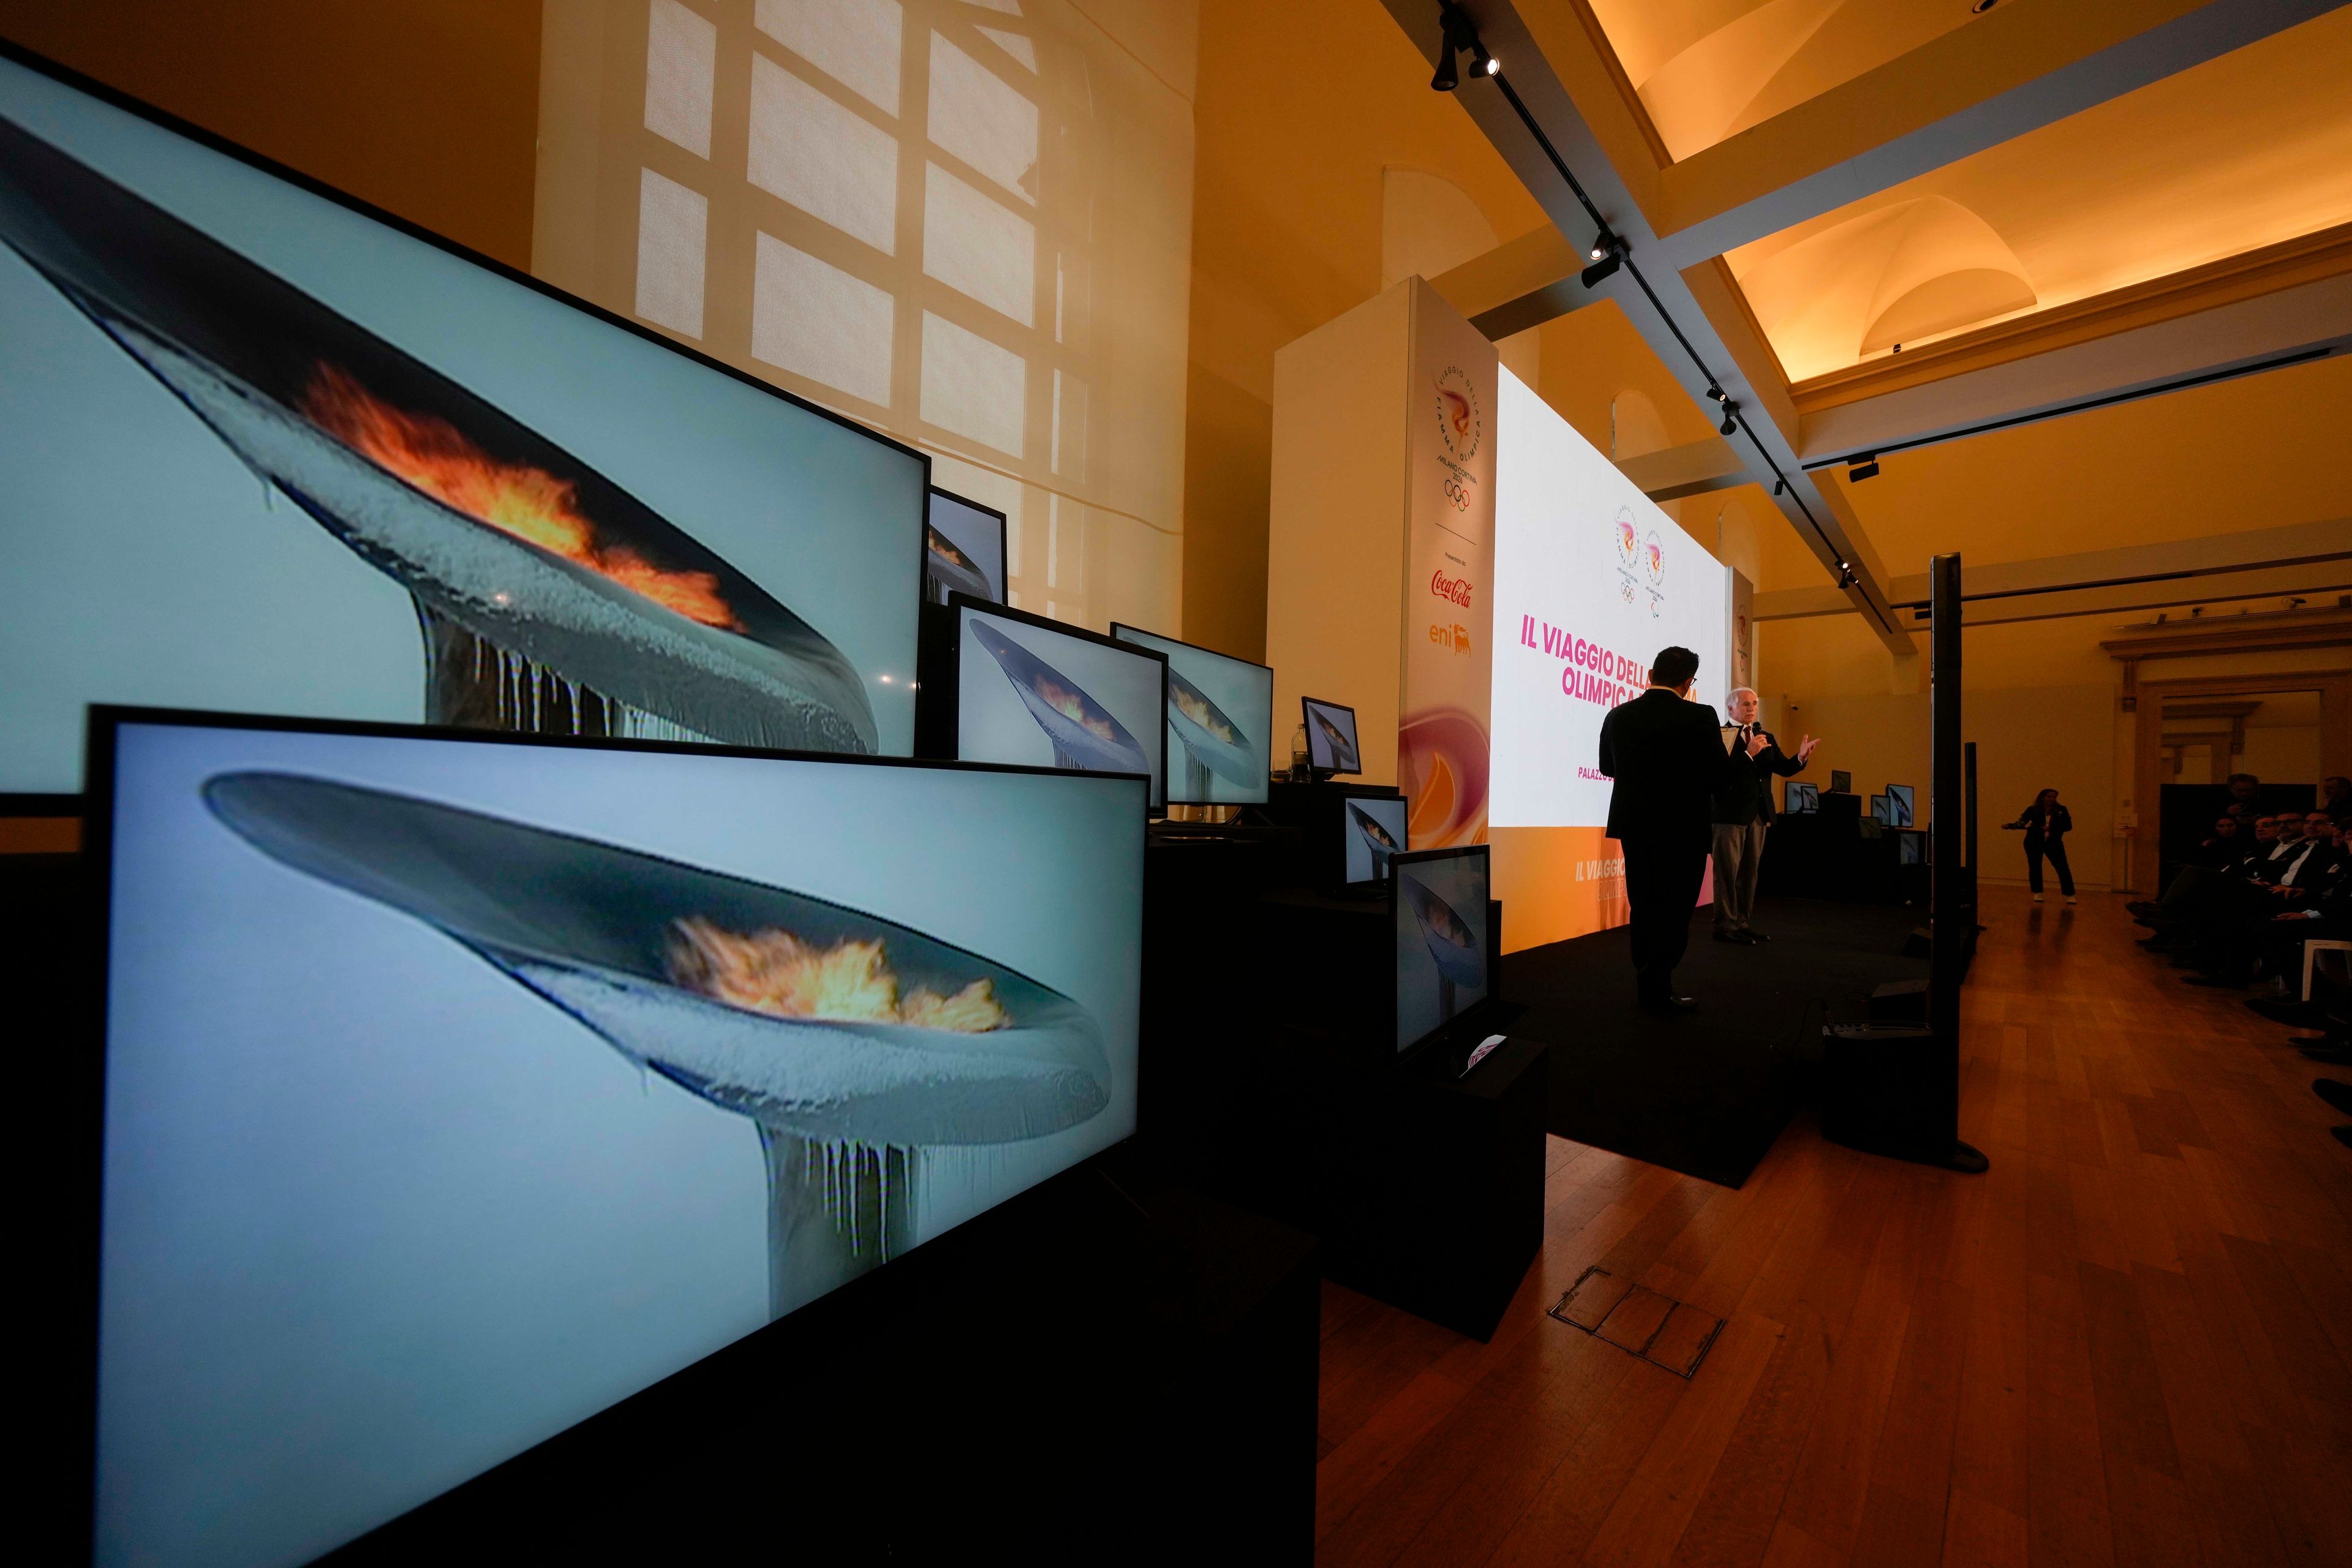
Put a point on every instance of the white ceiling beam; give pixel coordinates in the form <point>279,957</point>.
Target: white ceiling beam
<point>1900,121</point>
<point>2308,318</point>
<point>1696,468</point>
<point>2305,558</point>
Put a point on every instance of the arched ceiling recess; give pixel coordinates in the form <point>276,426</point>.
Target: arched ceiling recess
<point>1898,274</point>
<point>1707,69</point>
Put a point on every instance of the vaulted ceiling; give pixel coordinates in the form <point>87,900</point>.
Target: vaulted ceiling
<point>2077,272</point>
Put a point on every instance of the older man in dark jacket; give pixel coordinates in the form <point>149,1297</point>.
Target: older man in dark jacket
<point>1667,756</point>
<point>1743,810</point>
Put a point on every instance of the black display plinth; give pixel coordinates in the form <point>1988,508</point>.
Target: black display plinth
<point>1107,1369</point>
<point>1894,1089</point>
<point>1434,1182</point>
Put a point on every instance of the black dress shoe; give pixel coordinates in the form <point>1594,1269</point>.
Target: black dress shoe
<point>1731,936</point>
<point>2336,1091</point>
<point>1752,934</point>
<point>1670,1004</point>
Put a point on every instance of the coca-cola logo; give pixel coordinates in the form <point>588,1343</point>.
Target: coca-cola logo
<point>1453,590</point>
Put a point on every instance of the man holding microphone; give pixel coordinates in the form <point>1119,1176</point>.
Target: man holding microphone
<point>1743,810</point>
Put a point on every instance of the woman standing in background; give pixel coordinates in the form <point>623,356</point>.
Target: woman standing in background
<point>2046,824</point>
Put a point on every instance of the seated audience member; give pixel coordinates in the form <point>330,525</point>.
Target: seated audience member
<point>2223,850</point>
<point>2238,942</point>
<point>2243,789</point>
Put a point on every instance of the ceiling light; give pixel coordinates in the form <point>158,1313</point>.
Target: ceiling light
<point>1715,393</point>
<point>1730,425</point>
<point>1494,65</point>
<point>1864,468</point>
<point>1779,486</point>
<point>1445,80</point>
<point>1981,6</point>
<point>1607,253</point>
<point>1456,33</point>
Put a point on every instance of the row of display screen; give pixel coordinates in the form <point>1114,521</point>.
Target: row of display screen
<point>462,1081</point>
<point>1892,809</point>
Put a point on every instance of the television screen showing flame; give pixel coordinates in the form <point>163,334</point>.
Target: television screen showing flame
<point>530,504</point>
<point>1194,708</point>
<point>774,972</point>
<point>1072,707</point>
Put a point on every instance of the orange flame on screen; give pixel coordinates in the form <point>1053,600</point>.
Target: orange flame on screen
<point>1072,707</point>
<point>776,973</point>
<point>530,504</point>
<point>1199,711</point>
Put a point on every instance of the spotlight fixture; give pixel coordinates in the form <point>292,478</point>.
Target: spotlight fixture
<point>1607,253</point>
<point>1779,487</point>
<point>1730,425</point>
<point>1457,34</point>
<point>1715,392</point>
<point>1862,467</point>
<point>1845,574</point>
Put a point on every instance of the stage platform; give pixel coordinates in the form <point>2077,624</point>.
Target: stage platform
<point>1704,1093</point>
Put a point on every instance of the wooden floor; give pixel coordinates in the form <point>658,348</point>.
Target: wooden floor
<point>2127,1345</point>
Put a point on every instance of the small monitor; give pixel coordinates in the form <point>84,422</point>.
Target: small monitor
<point>1882,810</point>
<point>1331,737</point>
<point>1036,691</point>
<point>1911,848</point>
<point>458,1087</point>
<point>1371,834</point>
<point>1899,799</point>
<point>964,549</point>
<point>1802,798</point>
<point>1438,901</point>
<point>1220,722</point>
<point>1840,782</point>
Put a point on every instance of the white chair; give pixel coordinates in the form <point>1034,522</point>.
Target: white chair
<point>2312,948</point>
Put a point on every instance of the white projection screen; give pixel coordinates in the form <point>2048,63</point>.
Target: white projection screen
<point>1592,580</point>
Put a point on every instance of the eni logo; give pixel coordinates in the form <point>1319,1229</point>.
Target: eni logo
<point>1455,636</point>
<point>1459,424</point>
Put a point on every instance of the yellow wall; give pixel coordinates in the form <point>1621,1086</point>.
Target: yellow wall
<point>426,107</point>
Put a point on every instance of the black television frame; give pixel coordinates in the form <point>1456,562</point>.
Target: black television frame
<point>1882,810</point>
<point>79,1078</point>
<point>1473,1015</point>
<point>1117,627</point>
<point>1003,533</point>
<point>1840,782</point>
<point>1789,798</point>
<point>1307,706</point>
<point>1907,798</point>
<point>38,804</point>
<point>937,696</point>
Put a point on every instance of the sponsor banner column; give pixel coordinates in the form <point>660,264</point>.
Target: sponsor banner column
<point>1443,724</point>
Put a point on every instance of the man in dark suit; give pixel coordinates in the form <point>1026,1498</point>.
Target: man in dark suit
<point>1667,756</point>
<point>1743,810</point>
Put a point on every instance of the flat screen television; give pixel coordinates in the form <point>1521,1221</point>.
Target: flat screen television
<point>1220,722</point>
<point>1911,848</point>
<point>1840,782</point>
<point>1371,834</point>
<point>1331,745</point>
<point>457,1087</point>
<point>1438,901</point>
<point>1899,798</point>
<point>964,549</point>
<point>1882,810</point>
<point>269,448</point>
<point>1799,799</point>
<point>1040,693</point>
